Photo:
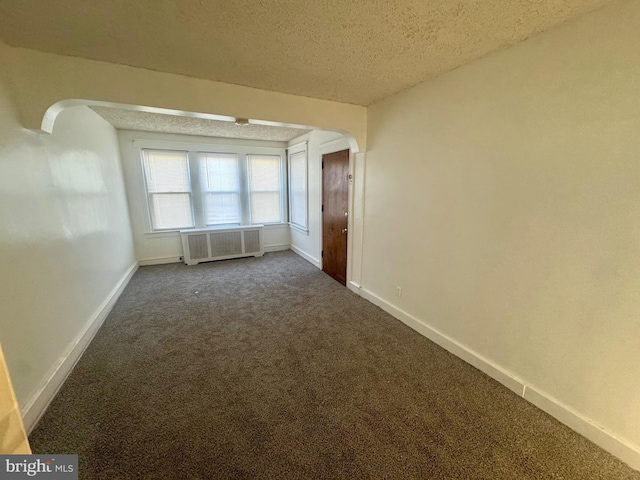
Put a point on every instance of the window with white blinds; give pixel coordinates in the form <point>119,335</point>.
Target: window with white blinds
<point>220,183</point>
<point>168,189</point>
<point>298,189</point>
<point>265,188</point>
<point>195,188</point>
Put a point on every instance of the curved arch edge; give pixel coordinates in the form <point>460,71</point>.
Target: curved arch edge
<point>51,114</point>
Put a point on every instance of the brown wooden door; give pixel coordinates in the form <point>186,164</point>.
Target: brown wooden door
<point>335,203</point>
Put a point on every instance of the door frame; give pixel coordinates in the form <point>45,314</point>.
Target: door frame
<point>332,147</point>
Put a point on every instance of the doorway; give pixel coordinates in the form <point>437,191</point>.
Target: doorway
<point>335,208</point>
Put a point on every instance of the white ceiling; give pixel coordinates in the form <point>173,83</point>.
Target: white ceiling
<point>156,122</point>
<point>353,51</point>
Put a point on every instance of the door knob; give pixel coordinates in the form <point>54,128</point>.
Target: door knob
<point>344,230</point>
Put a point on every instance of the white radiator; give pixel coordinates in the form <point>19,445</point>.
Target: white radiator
<point>221,243</point>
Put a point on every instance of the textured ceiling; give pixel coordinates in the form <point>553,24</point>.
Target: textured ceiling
<point>157,122</point>
<point>353,51</point>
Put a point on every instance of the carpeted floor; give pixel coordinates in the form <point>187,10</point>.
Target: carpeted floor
<point>266,368</point>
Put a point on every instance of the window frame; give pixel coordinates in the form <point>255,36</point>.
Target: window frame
<point>204,192</point>
<point>292,151</point>
<point>149,195</point>
<point>282,190</point>
<point>194,150</point>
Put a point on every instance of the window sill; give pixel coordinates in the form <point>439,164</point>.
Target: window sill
<point>164,233</point>
<point>299,229</point>
<point>275,225</point>
<point>176,233</point>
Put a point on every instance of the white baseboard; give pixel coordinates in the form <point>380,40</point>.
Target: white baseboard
<point>177,259</point>
<point>276,248</point>
<point>585,427</point>
<point>355,287</point>
<point>494,371</point>
<point>40,400</point>
<point>159,261</point>
<point>314,261</point>
<point>622,449</point>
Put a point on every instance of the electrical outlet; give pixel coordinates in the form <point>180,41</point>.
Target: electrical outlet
<point>398,291</point>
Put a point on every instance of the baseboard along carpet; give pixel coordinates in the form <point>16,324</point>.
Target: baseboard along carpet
<point>266,368</point>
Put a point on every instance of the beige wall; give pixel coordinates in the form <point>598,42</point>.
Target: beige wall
<point>504,198</point>
<point>40,80</point>
<point>65,240</point>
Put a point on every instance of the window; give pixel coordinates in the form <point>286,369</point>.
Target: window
<point>168,189</point>
<point>298,188</point>
<point>265,188</point>
<point>220,177</point>
<point>225,185</point>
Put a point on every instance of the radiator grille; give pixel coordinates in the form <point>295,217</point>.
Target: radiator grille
<point>226,243</point>
<point>220,243</point>
<point>251,241</point>
<point>198,246</point>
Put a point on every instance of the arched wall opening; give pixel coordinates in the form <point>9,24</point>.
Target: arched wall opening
<point>51,254</point>
<point>153,247</point>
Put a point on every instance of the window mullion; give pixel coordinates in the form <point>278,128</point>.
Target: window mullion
<point>196,189</point>
<point>245,200</point>
<point>282,190</point>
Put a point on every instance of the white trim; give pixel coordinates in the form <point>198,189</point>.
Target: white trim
<point>160,233</point>
<point>563,413</point>
<point>159,261</point>
<point>297,228</point>
<point>47,390</point>
<point>218,228</point>
<point>585,427</point>
<point>277,248</point>
<point>351,215</point>
<point>271,226</point>
<point>494,371</point>
<point>354,287</point>
<point>362,182</point>
<point>210,146</point>
<point>176,233</point>
<point>314,261</point>
<point>335,145</point>
<point>298,146</point>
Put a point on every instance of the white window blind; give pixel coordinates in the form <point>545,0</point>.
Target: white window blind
<point>298,189</point>
<point>220,183</point>
<point>168,189</point>
<point>199,187</point>
<point>265,188</point>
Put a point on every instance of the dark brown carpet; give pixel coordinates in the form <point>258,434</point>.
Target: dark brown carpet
<point>266,368</point>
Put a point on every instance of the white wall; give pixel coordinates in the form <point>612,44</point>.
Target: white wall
<point>504,198</point>
<point>44,79</point>
<point>309,244</point>
<point>166,247</point>
<point>65,241</point>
